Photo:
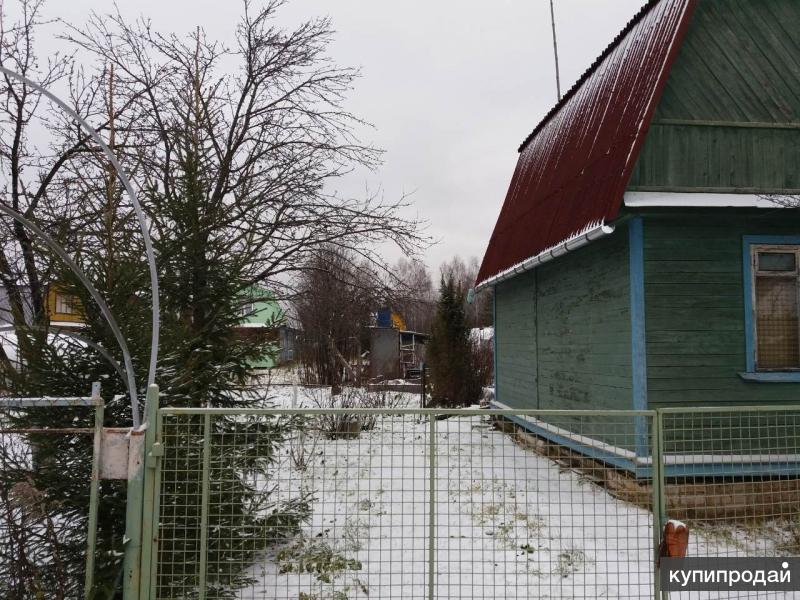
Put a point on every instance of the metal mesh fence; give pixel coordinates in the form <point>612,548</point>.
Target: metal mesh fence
<point>313,504</point>
<point>733,475</point>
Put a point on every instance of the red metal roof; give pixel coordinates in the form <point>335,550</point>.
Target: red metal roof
<point>573,169</point>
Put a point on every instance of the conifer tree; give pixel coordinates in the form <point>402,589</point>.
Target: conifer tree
<point>234,151</point>
<point>449,352</point>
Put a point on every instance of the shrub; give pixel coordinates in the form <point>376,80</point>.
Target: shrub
<point>347,425</point>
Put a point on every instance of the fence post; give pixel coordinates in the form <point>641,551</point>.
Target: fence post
<point>157,445</point>
<point>138,514</point>
<point>150,491</point>
<point>91,533</point>
<point>423,382</point>
<point>204,508</point>
<point>432,506</point>
<point>132,562</point>
<point>659,499</point>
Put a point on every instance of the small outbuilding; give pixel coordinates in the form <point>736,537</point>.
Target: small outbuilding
<point>648,251</point>
<point>395,353</point>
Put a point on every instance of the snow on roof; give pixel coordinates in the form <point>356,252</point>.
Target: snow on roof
<point>574,167</point>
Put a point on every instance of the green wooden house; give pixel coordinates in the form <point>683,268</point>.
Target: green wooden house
<point>261,313</point>
<point>648,251</point>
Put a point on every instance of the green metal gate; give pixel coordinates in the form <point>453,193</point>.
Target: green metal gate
<point>429,503</point>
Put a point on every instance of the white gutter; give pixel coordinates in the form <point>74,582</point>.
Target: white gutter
<point>568,245</point>
<point>709,200</point>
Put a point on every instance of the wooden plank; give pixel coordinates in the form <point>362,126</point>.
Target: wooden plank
<point>583,337</point>
<point>708,284</point>
<point>669,359</point>
<point>695,313</point>
<point>678,302</point>
<point>737,67</point>
<point>691,266</point>
<point>516,351</point>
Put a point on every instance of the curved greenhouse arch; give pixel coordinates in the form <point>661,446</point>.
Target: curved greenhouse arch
<point>94,345</point>
<point>148,245</point>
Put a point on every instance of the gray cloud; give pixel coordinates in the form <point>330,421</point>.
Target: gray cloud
<point>452,87</point>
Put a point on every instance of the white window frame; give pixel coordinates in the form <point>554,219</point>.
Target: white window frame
<point>65,304</point>
<point>247,309</point>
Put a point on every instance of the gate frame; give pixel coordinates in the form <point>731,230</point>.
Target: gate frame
<point>142,576</point>
<point>142,504</point>
<point>95,401</point>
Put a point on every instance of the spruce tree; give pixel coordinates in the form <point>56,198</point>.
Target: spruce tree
<point>235,150</point>
<point>449,352</point>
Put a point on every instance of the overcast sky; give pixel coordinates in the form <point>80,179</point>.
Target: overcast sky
<point>452,87</point>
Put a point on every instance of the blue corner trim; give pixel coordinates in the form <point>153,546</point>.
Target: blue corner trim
<point>638,337</point>
<point>747,290</point>
<point>771,376</point>
<point>494,341</point>
<point>638,334</point>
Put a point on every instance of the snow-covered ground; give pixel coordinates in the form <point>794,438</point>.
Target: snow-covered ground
<point>508,523</point>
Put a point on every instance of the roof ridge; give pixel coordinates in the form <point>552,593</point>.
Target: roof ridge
<point>634,20</point>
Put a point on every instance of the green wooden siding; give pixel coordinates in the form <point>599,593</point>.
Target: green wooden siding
<point>729,119</point>
<point>573,314</point>
<point>515,328</point>
<point>694,307</point>
<point>267,314</point>
<point>584,332</point>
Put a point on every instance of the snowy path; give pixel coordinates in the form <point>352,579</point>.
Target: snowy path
<point>509,523</point>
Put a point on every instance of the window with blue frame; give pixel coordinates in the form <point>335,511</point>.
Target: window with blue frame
<point>772,304</point>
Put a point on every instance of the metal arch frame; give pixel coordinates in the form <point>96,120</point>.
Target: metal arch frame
<point>71,334</point>
<point>148,245</point>
<point>107,314</point>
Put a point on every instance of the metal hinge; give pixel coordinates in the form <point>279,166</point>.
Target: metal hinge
<point>156,451</point>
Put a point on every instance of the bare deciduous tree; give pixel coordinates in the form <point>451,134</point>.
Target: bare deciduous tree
<point>414,295</point>
<point>261,131</point>
<point>236,151</point>
<point>336,301</point>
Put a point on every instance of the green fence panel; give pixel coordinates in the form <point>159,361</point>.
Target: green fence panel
<point>405,502</point>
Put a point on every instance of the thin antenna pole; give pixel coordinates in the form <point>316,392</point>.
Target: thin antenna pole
<point>555,50</point>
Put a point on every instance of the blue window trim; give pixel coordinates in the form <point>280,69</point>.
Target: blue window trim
<point>494,340</point>
<point>771,376</point>
<point>747,284</point>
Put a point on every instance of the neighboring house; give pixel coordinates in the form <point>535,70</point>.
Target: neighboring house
<point>287,339</point>
<point>642,258</point>
<point>262,313</point>
<point>395,353</point>
<point>6,317</point>
<point>64,310</point>
<point>386,317</point>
